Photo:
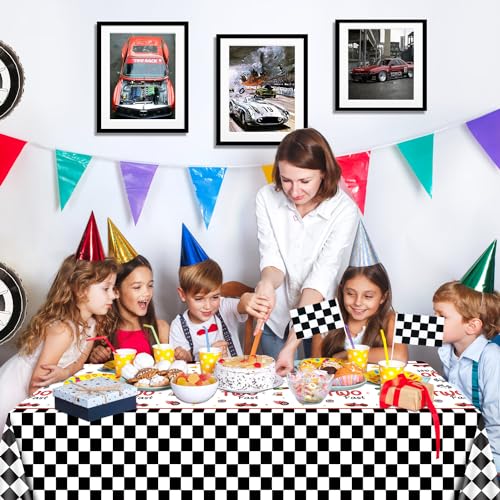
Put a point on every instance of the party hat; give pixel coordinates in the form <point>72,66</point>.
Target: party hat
<point>481,276</point>
<point>90,247</point>
<point>363,254</point>
<point>118,247</point>
<point>191,251</point>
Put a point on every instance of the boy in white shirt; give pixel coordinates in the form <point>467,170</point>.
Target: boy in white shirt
<point>200,281</point>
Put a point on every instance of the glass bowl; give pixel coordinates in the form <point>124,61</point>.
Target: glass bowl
<point>309,387</point>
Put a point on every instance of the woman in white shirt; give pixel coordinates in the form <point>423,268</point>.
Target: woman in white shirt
<point>306,226</point>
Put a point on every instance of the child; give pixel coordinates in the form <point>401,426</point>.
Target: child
<point>54,346</point>
<point>134,307</point>
<point>470,360</point>
<point>365,299</point>
<point>364,296</point>
<point>200,281</point>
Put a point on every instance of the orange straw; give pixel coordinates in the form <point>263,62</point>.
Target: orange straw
<point>102,337</point>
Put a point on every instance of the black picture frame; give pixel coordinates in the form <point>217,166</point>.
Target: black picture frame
<point>261,88</point>
<point>156,100</point>
<point>389,75</point>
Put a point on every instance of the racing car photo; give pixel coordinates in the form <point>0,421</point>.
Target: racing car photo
<point>255,112</point>
<point>144,88</point>
<point>383,70</point>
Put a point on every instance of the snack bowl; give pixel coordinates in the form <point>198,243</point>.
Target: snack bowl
<point>193,392</point>
<point>309,387</point>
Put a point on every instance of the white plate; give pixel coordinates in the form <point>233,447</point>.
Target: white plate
<point>346,387</point>
<point>278,381</point>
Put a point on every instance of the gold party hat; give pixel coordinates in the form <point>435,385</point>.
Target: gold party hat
<point>118,247</point>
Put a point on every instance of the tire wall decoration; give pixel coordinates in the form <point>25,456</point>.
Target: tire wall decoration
<point>12,304</point>
<point>11,79</point>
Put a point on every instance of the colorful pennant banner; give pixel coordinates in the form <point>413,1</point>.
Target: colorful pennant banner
<point>70,168</point>
<point>207,181</point>
<point>137,178</point>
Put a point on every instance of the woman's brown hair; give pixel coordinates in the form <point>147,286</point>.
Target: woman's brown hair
<point>377,274</point>
<point>307,148</point>
<point>68,289</point>
<point>472,304</point>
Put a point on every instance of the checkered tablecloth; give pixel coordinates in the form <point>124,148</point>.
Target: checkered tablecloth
<point>249,452</point>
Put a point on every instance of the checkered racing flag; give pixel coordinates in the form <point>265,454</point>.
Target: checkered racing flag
<point>316,318</point>
<point>418,329</point>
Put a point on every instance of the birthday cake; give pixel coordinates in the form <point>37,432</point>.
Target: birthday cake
<point>245,373</point>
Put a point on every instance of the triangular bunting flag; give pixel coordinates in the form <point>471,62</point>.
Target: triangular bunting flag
<point>207,182</point>
<point>355,173</point>
<point>70,168</point>
<point>418,154</point>
<point>137,178</point>
<point>268,172</point>
<point>486,130</point>
<point>10,147</point>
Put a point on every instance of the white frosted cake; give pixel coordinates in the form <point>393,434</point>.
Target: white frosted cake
<point>245,374</point>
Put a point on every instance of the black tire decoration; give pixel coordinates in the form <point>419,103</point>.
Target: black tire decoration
<point>11,80</point>
<point>12,304</point>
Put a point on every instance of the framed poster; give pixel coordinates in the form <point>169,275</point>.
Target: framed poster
<point>261,88</point>
<point>142,77</point>
<point>381,65</point>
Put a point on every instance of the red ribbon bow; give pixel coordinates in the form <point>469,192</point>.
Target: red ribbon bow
<point>211,328</point>
<point>398,383</point>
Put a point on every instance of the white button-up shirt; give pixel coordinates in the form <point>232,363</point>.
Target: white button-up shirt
<point>458,371</point>
<point>312,252</point>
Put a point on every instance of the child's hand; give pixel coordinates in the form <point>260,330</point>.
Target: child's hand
<point>222,345</point>
<point>100,354</point>
<point>181,353</point>
<point>258,306</point>
<point>54,374</point>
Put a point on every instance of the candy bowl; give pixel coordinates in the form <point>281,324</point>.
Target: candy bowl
<point>194,388</point>
<point>309,387</point>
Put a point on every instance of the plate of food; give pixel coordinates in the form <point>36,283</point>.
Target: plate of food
<point>330,365</point>
<point>347,387</point>
<point>373,376</point>
<point>152,379</point>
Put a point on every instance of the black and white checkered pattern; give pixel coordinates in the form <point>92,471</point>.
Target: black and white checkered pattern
<point>245,454</point>
<point>418,329</point>
<point>316,318</point>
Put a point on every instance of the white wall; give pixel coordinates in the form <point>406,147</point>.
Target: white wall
<point>423,242</point>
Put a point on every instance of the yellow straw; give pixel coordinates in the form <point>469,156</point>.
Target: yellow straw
<point>384,341</point>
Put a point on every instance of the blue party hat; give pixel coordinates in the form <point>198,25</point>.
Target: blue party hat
<point>363,254</point>
<point>191,251</point>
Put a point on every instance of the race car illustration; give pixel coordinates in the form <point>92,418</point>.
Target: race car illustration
<point>255,112</point>
<point>265,91</point>
<point>144,89</point>
<point>383,70</point>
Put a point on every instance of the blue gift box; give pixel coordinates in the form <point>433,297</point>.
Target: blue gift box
<point>95,398</point>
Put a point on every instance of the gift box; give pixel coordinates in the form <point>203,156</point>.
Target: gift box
<point>405,393</point>
<point>95,398</point>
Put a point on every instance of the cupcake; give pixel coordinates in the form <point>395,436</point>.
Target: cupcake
<point>349,374</point>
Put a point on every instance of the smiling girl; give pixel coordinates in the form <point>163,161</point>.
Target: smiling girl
<point>365,299</point>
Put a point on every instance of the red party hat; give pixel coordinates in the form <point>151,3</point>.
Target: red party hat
<point>90,247</point>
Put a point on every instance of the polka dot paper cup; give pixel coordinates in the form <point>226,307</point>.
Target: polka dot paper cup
<point>358,356</point>
<point>163,352</point>
<point>391,370</point>
<point>208,359</point>
<point>122,357</point>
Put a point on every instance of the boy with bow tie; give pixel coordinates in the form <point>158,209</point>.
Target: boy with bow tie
<point>200,281</point>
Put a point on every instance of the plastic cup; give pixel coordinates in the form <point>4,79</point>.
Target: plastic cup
<point>391,370</point>
<point>122,357</point>
<point>358,355</point>
<point>163,352</point>
<point>208,359</point>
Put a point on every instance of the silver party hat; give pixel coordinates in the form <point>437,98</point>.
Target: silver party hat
<point>363,254</point>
